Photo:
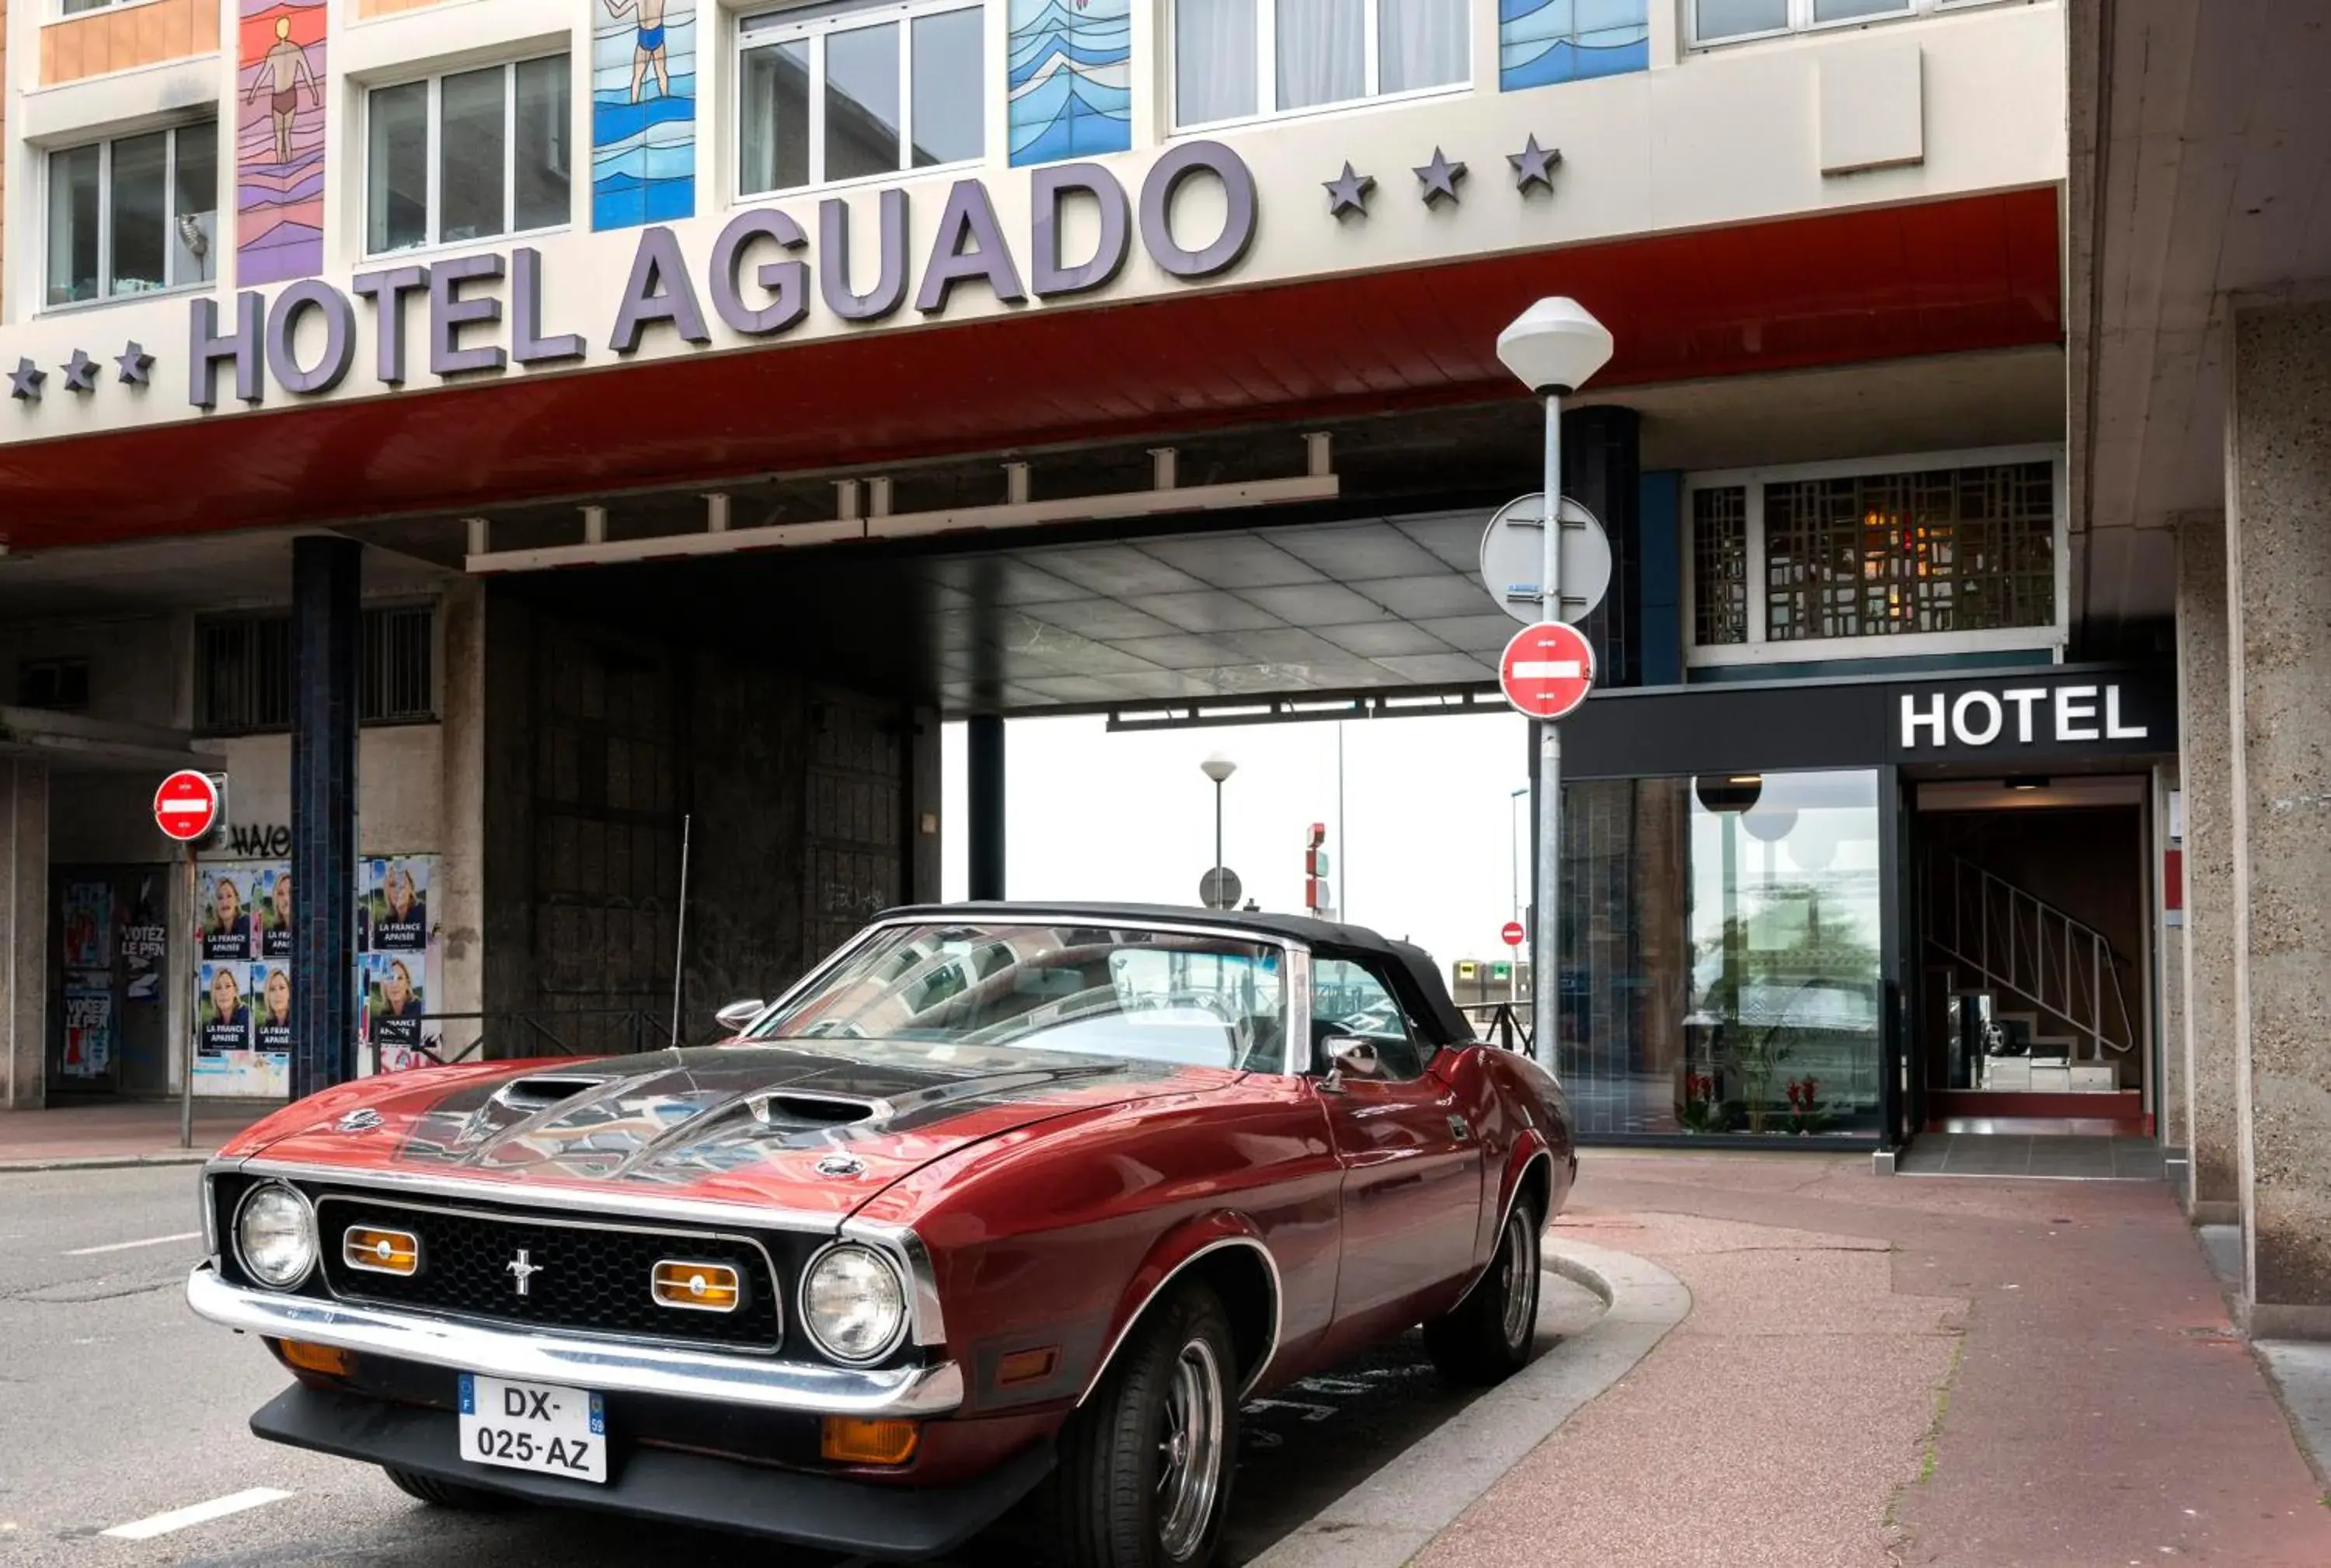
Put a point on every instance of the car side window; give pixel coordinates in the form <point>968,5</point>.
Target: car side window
<point>1350,998</point>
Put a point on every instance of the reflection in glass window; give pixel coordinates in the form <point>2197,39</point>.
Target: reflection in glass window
<point>1322,51</point>
<point>1721,955</point>
<point>831,93</point>
<point>474,155</point>
<point>133,216</point>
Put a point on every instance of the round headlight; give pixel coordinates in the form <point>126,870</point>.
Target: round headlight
<point>275,1235</point>
<point>853,1303</point>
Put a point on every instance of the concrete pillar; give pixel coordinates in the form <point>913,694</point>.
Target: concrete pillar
<point>2278,593</point>
<point>327,637</point>
<point>2206,779</point>
<point>460,894</point>
<point>983,760</point>
<point>24,934</point>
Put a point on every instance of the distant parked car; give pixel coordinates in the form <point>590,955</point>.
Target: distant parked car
<point>1001,1202</point>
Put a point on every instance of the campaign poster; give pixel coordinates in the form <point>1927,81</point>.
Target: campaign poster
<point>271,999</point>
<point>272,891</point>
<point>394,1001</point>
<point>396,909</point>
<point>226,916</point>
<point>144,944</point>
<point>88,1025</point>
<point>89,925</point>
<point>222,1013</point>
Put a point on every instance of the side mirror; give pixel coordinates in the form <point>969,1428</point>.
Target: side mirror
<point>1345,1056</point>
<point>738,1014</point>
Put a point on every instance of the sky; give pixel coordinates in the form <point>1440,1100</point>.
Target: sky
<point>1428,819</point>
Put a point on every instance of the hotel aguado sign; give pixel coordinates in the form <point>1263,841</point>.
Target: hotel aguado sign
<point>758,278</point>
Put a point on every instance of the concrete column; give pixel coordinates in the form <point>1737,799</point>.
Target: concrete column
<point>24,934</point>
<point>327,624</point>
<point>2205,777</point>
<point>983,760</point>
<point>2278,591</point>
<point>460,894</point>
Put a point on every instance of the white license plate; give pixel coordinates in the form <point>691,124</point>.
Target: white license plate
<point>533,1426</point>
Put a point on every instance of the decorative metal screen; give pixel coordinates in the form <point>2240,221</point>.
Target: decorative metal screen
<point>1719,566</point>
<point>1948,550</point>
<point>243,675</point>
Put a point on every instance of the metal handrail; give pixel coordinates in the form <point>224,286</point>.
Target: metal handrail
<point>2025,944</point>
<point>1505,1024</point>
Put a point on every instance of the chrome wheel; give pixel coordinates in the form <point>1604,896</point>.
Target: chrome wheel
<point>1190,1451</point>
<point>1517,1278</point>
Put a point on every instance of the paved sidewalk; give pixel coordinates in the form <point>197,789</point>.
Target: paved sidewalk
<point>1893,1371</point>
<point>132,1133</point>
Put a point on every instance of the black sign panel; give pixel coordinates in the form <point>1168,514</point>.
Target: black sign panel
<point>2016,719</point>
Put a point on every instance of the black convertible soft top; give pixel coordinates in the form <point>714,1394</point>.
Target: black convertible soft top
<point>1428,993</point>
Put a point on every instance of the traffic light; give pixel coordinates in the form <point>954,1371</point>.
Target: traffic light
<point>1318,895</point>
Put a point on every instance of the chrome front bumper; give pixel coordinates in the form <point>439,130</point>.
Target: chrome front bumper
<point>603,1365</point>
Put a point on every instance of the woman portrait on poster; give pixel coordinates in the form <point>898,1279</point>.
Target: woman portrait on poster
<point>274,1008</point>
<point>396,1004</point>
<point>276,937</point>
<point>227,933</point>
<point>228,1027</point>
<point>401,924</point>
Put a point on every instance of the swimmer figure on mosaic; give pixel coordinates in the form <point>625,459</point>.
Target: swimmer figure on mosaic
<point>648,49</point>
<point>282,70</point>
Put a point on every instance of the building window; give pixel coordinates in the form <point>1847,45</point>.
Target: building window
<point>1954,556</point>
<point>133,216</point>
<point>1239,58</point>
<point>855,91</point>
<point>58,685</point>
<point>242,676</point>
<point>1542,43</point>
<point>1733,21</point>
<point>470,155</point>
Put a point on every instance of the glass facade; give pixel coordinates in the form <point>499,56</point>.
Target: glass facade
<point>1721,955</point>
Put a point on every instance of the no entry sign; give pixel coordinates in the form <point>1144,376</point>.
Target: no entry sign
<point>1513,933</point>
<point>186,806</point>
<point>1547,671</point>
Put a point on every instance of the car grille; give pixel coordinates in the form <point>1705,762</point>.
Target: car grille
<point>587,1278</point>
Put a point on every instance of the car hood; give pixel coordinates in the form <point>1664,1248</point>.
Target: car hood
<point>812,1126</point>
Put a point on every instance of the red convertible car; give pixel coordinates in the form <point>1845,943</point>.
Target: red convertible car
<point>1002,1205</point>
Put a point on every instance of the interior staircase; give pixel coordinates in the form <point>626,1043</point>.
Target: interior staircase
<point>1991,936</point>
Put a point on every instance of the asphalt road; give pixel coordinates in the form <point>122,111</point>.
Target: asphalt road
<point>117,1405</point>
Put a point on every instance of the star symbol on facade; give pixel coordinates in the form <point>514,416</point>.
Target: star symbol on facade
<point>1349,193</point>
<point>80,372</point>
<point>1535,166</point>
<point>1439,179</point>
<point>24,381</point>
<point>132,364</point>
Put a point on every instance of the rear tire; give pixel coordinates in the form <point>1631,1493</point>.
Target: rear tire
<point>1485,1338</point>
<point>440,1494</point>
<point>1144,1478</point>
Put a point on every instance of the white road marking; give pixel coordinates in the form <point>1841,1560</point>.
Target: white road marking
<point>126,1246</point>
<point>1547,670</point>
<point>198,1514</point>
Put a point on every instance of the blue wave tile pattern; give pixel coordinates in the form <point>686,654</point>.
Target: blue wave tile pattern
<point>642,113</point>
<point>1069,75</point>
<point>1541,43</point>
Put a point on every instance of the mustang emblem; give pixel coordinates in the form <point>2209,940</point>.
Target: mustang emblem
<point>839,1165</point>
<point>523,1269</point>
<point>362,1119</point>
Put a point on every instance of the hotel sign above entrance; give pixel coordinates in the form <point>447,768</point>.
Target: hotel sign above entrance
<point>756,279</point>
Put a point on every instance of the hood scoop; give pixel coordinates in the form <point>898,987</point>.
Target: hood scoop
<point>541,1091</point>
<point>805,1112</point>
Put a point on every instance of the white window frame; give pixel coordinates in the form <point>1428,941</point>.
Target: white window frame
<point>1266,71</point>
<point>2050,639</point>
<point>435,126</point>
<point>816,30</point>
<point>1801,19</point>
<point>105,295</point>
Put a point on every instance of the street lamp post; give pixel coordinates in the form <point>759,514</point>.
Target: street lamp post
<point>1552,347</point>
<point>1219,768</point>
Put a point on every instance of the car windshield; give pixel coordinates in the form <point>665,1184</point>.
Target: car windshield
<point>1148,994</point>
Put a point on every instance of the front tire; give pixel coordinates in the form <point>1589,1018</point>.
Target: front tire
<point>1144,1471</point>
<point>440,1494</point>
<point>1485,1338</point>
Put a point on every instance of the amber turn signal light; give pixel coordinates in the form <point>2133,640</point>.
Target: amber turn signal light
<point>377,1251</point>
<point>324,1358</point>
<point>853,1441</point>
<point>697,1286</point>
<point>1027,1366</point>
